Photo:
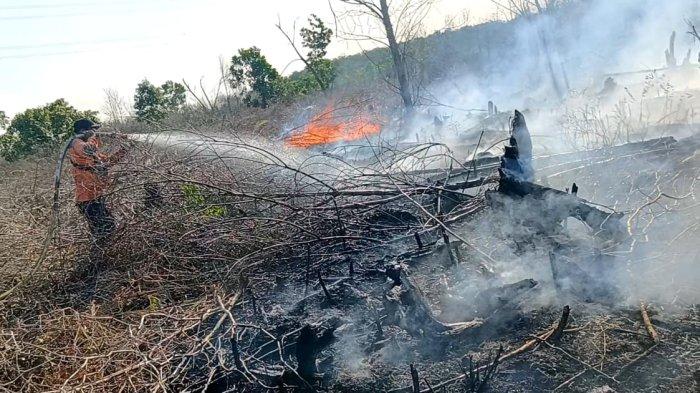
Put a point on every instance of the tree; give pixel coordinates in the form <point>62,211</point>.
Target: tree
<point>4,121</point>
<point>315,38</point>
<point>396,33</point>
<point>147,102</point>
<point>41,126</point>
<point>115,107</point>
<point>152,104</point>
<point>253,76</point>
<point>518,8</point>
<point>174,96</point>
<point>527,9</point>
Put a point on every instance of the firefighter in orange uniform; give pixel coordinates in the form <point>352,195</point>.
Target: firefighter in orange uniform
<point>91,175</point>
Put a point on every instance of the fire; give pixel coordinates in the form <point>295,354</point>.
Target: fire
<point>324,129</point>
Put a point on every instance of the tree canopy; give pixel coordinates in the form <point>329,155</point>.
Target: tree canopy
<point>259,83</point>
<point>40,126</point>
<point>4,121</point>
<point>254,77</point>
<point>153,103</point>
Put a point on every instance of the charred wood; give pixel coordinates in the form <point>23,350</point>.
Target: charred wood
<point>414,379</point>
<point>323,286</point>
<point>496,305</point>
<point>406,307</point>
<point>310,342</point>
<point>559,330</point>
<point>419,242</point>
<point>568,276</point>
<point>493,300</point>
<point>557,205</point>
<point>532,343</point>
<point>475,381</point>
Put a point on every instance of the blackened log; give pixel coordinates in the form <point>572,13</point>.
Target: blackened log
<point>414,379</point>
<point>394,273</point>
<point>570,277</point>
<point>559,330</point>
<point>563,205</point>
<point>417,317</point>
<point>419,242</point>
<point>521,134</point>
<point>306,354</point>
<point>493,299</point>
<point>308,345</point>
<point>323,286</point>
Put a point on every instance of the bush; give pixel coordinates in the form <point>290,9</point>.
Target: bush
<point>196,201</point>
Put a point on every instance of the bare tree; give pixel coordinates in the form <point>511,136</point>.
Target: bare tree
<point>693,33</point>
<point>115,106</point>
<point>528,9</point>
<point>400,22</point>
<point>458,21</point>
<point>518,8</point>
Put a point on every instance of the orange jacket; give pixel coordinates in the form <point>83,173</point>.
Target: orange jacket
<point>90,168</point>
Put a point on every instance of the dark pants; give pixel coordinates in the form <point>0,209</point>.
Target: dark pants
<point>99,218</point>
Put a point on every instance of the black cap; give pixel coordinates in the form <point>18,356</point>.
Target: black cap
<point>84,125</point>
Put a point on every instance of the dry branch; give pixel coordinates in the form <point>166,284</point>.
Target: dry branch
<point>648,325</point>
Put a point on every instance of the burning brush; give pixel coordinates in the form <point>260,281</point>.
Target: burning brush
<point>332,126</point>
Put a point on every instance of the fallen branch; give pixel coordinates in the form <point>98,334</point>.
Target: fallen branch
<point>647,324</point>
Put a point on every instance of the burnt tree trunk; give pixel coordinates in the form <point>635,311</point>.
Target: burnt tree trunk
<point>308,345</point>
<point>397,57</point>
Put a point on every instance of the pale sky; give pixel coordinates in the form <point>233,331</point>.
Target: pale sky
<point>74,49</point>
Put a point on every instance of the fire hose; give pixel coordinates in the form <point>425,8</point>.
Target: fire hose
<point>53,223</point>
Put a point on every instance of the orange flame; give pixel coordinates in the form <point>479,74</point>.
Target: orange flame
<point>323,129</point>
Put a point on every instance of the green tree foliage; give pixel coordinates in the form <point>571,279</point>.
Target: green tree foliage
<point>4,120</point>
<point>255,77</point>
<point>260,83</point>
<point>147,102</point>
<point>174,95</point>
<point>152,103</point>
<point>316,39</point>
<point>41,126</point>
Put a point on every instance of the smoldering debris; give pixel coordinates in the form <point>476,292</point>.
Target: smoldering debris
<point>338,281</point>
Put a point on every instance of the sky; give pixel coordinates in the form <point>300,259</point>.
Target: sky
<point>74,49</point>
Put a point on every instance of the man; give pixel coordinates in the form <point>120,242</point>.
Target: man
<point>91,176</point>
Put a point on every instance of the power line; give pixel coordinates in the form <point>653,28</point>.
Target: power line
<point>79,51</point>
<point>76,43</point>
<point>30,55</point>
<point>26,17</point>
<point>72,5</point>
